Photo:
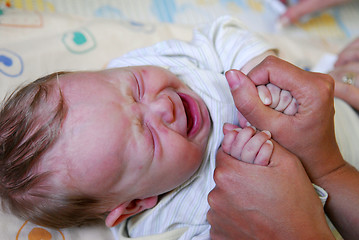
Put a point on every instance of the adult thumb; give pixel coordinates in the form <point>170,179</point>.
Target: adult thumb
<point>247,101</point>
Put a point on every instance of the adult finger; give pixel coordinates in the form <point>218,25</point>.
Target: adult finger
<point>246,98</point>
<point>309,89</point>
<point>304,7</point>
<point>349,54</point>
<point>295,12</point>
<point>304,133</point>
<point>251,201</point>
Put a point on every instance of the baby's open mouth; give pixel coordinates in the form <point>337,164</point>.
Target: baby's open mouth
<point>192,113</point>
<point>188,114</point>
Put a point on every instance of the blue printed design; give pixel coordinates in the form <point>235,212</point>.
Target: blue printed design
<point>140,27</point>
<point>79,41</point>
<point>164,10</point>
<point>5,60</point>
<point>108,12</point>
<point>79,38</point>
<point>115,13</point>
<point>11,64</point>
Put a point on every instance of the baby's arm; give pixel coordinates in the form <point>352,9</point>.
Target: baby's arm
<point>256,60</point>
<point>247,144</point>
<point>276,98</point>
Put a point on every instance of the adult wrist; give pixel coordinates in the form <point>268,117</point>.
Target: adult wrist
<point>323,168</point>
<point>327,179</point>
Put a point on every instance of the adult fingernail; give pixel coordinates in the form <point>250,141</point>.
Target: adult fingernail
<point>233,79</point>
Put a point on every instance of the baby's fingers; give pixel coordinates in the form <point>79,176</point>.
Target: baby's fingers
<point>227,127</point>
<point>253,146</point>
<point>275,94</point>
<point>228,140</point>
<point>284,100</point>
<point>242,137</point>
<point>292,108</point>
<point>264,95</point>
<point>264,154</point>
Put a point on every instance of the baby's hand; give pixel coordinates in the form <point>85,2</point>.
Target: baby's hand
<point>247,145</point>
<point>276,98</point>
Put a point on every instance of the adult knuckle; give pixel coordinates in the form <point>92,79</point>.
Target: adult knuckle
<point>214,234</point>
<point>329,82</point>
<point>216,201</point>
<point>270,60</point>
<point>210,217</point>
<point>219,176</point>
<point>211,198</point>
<point>325,85</point>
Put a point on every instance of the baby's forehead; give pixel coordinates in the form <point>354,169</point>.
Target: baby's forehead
<point>75,84</point>
<point>72,79</point>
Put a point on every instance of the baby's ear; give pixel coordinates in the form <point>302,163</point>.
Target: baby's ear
<point>128,209</point>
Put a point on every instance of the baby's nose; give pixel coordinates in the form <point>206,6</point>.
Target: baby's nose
<point>164,108</point>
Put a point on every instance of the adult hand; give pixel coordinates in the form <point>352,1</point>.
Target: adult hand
<point>349,54</point>
<point>310,132</point>
<point>304,7</point>
<point>348,92</point>
<point>273,202</point>
<point>347,68</point>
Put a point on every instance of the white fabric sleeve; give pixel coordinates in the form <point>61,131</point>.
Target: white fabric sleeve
<point>234,44</point>
<point>218,47</point>
<point>322,194</point>
<point>120,233</point>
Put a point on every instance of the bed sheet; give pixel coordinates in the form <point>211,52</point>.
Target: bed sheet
<point>260,15</point>
<point>38,39</point>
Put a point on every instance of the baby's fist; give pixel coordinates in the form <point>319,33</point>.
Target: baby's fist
<point>247,144</point>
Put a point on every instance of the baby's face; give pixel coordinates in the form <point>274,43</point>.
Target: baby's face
<point>135,132</point>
